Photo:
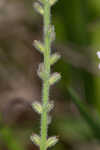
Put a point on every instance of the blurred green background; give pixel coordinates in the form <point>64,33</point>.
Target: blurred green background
<point>76,117</point>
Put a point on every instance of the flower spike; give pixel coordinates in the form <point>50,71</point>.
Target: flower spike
<point>44,72</point>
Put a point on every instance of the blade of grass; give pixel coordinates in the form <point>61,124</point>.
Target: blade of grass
<point>94,125</point>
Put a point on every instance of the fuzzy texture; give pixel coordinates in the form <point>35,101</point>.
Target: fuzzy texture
<point>44,72</point>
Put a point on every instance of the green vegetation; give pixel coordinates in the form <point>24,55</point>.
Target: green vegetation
<point>44,8</point>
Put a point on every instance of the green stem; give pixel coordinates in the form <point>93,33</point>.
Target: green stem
<point>46,85</point>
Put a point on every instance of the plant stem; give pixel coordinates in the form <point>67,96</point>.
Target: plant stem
<point>46,85</point>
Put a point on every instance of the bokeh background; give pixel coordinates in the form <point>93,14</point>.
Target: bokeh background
<point>76,116</point>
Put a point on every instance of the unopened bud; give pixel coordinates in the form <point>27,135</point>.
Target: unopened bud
<point>52,32</point>
<point>55,77</point>
<point>50,106</point>
<point>38,7</point>
<point>52,2</point>
<point>40,71</point>
<point>39,46</point>
<point>37,107</point>
<point>49,119</point>
<point>35,139</point>
<point>54,58</point>
<point>52,141</point>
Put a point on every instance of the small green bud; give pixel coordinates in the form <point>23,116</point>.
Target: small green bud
<point>52,2</point>
<point>37,107</point>
<point>51,30</point>
<point>39,46</point>
<point>54,58</point>
<point>38,7</point>
<point>50,106</point>
<point>40,71</point>
<point>55,77</point>
<point>35,139</point>
<point>49,119</point>
<point>52,141</point>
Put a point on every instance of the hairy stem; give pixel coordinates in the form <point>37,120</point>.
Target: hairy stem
<point>46,85</point>
<point>42,141</point>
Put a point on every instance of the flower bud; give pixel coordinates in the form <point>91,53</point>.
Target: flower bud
<point>50,106</point>
<point>35,139</point>
<point>41,72</point>
<point>37,107</point>
<point>55,77</point>
<point>52,2</point>
<point>39,46</point>
<point>38,7</point>
<point>54,58</point>
<point>51,30</point>
<point>49,119</point>
<point>52,141</point>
